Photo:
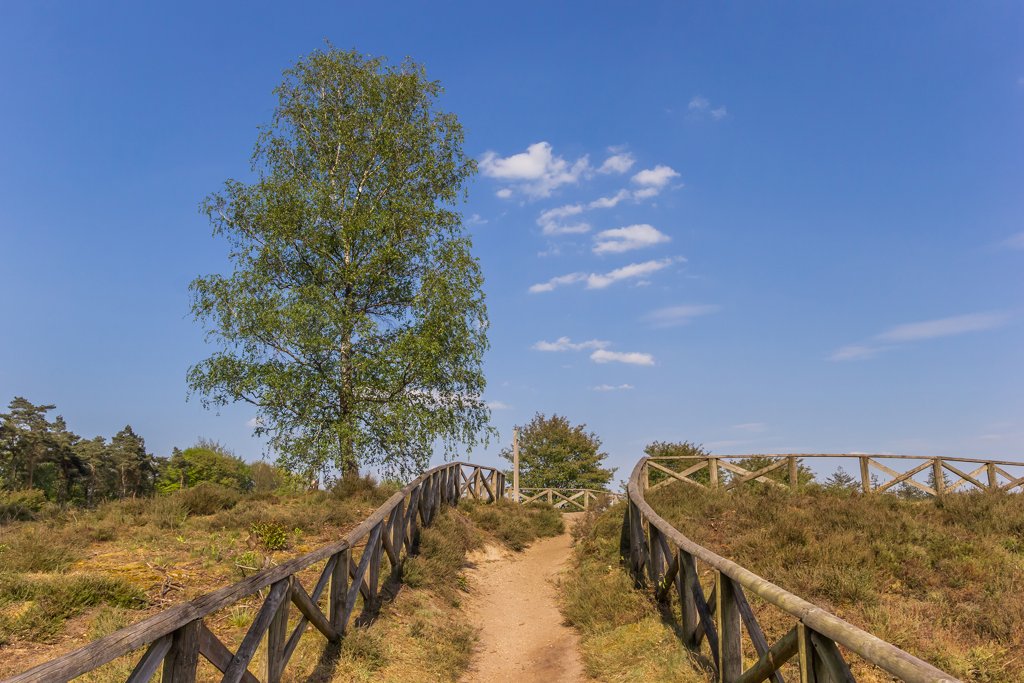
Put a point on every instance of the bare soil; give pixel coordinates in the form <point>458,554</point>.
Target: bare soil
<point>514,604</point>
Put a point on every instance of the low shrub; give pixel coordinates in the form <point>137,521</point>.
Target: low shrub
<point>269,535</point>
<point>516,526</point>
<point>206,498</point>
<point>20,506</point>
<point>35,548</point>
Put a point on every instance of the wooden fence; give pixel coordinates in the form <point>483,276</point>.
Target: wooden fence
<point>566,499</point>
<point>175,638</point>
<point>783,470</point>
<point>664,560</point>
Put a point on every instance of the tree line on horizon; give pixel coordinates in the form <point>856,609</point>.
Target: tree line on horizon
<point>41,455</point>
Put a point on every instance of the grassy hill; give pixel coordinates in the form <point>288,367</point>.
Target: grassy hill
<point>69,577</point>
<point>942,579</point>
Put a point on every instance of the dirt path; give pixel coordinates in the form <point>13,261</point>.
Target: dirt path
<point>515,605</point>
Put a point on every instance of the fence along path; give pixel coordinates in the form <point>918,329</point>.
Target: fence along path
<point>662,559</point>
<point>567,499</point>
<point>175,638</point>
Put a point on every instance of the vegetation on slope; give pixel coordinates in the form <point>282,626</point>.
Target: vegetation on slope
<point>102,570</point>
<point>622,634</point>
<point>942,579</point>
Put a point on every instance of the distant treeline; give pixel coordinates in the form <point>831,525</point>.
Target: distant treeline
<point>40,454</point>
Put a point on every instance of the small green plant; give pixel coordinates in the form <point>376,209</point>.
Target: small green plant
<point>269,535</point>
<point>206,498</point>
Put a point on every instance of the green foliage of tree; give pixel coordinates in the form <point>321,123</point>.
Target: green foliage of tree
<point>354,317</point>
<point>554,453</point>
<point>207,461</point>
<point>267,478</point>
<point>804,474</point>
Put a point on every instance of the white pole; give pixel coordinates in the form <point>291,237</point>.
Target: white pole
<point>515,465</point>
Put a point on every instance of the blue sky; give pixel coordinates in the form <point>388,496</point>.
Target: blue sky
<point>766,227</point>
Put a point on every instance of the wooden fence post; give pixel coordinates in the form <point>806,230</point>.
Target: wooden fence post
<point>713,470</point>
<point>865,474</point>
<point>993,477</point>
<point>276,636</point>
<point>727,616</point>
<point>183,657</point>
<point>939,476</point>
<point>794,474</point>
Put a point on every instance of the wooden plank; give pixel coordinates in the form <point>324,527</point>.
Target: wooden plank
<point>312,613</point>
<point>1013,482</point>
<point>339,589</point>
<point>182,658</point>
<point>865,474</point>
<point>767,667</point>
<point>965,477</point>
<point>240,661</point>
<point>706,611</point>
<point>758,475</point>
<point>679,476</point>
<point>805,655</point>
<point>216,653</point>
<point>754,630</point>
<point>794,473</point>
<point>276,634</point>
<point>900,477</point>
<point>939,477</point>
<point>713,470</point>
<point>687,604</point>
<point>358,585</point>
<point>830,660</point>
<point>730,637</point>
<point>151,660</point>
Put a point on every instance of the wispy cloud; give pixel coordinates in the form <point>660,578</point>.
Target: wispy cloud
<point>750,427</point>
<point>612,387</point>
<point>944,327</point>
<point>566,344</point>
<point>628,357</point>
<point>552,221</point>
<point>652,181</point>
<point>921,331</point>
<point>498,405</point>
<point>631,237</point>
<point>701,106</point>
<point>617,163</point>
<point>602,280</point>
<point>1014,241</point>
<point>536,172</point>
<point>673,316</point>
<point>609,202</point>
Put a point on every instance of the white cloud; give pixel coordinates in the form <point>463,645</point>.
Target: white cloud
<point>498,405</point>
<point>618,240</point>
<point>921,331</point>
<point>602,280</point>
<point>944,327</point>
<point>503,193</point>
<point>1015,241</point>
<point>719,113</point>
<point>633,270</point>
<point>672,316</point>
<point>554,282</point>
<point>646,193</point>
<point>751,427</point>
<point>566,344</point>
<point>612,387</point>
<point>551,223</point>
<point>698,103</point>
<point>658,177</point>
<point>476,219</point>
<point>535,172</point>
<point>628,357</point>
<point>254,422</point>
<point>617,163</point>
<point>609,202</point>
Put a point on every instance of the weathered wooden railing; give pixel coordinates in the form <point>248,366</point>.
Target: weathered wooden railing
<point>178,636</point>
<point>661,558</point>
<point>566,499</point>
<point>985,475</point>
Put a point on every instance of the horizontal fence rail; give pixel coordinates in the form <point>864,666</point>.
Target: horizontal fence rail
<point>662,559</point>
<point>567,499</point>
<point>176,638</point>
<point>942,474</point>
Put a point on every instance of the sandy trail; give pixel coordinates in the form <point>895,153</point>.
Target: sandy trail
<point>515,605</point>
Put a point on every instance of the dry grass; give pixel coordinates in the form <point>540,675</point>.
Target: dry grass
<point>622,634</point>
<point>102,570</point>
<point>942,579</point>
